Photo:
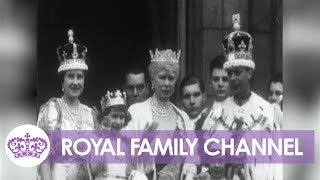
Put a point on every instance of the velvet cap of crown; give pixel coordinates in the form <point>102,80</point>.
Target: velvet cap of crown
<point>72,56</point>
<point>237,47</point>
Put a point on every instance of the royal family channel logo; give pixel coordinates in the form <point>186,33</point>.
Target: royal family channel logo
<point>27,145</point>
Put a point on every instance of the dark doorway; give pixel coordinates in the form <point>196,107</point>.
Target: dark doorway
<point>118,34</point>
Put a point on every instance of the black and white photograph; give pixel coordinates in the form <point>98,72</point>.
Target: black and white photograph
<point>156,65</point>
<point>166,59</point>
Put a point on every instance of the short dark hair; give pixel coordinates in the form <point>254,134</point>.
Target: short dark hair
<point>189,80</point>
<point>61,76</point>
<point>137,70</point>
<point>217,62</point>
<point>276,78</point>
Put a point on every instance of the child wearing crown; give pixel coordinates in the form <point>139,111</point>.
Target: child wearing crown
<point>114,116</point>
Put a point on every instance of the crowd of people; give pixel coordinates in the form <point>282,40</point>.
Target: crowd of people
<point>144,104</point>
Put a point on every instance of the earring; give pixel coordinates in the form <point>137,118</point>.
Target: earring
<point>62,89</point>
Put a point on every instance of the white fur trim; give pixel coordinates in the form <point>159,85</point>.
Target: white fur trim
<point>239,62</point>
<point>73,64</point>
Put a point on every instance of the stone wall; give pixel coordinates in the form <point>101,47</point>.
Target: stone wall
<point>209,21</point>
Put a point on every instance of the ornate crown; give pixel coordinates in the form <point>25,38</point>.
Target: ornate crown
<point>22,147</point>
<point>237,47</point>
<point>165,56</point>
<point>113,99</point>
<point>71,55</point>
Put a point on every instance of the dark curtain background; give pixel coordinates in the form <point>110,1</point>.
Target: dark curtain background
<point>118,35</point>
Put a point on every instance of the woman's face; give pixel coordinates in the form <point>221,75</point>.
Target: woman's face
<point>163,83</point>
<point>73,83</point>
<point>115,120</point>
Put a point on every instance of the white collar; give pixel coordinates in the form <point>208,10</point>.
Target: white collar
<point>218,103</point>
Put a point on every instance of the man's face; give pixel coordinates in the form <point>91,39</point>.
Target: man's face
<point>193,100</point>
<point>220,84</point>
<point>239,79</point>
<point>275,92</point>
<point>136,88</point>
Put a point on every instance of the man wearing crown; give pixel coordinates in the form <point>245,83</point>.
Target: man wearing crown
<point>245,110</point>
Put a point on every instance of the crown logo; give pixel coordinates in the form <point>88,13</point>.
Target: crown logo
<point>237,46</point>
<point>113,99</point>
<point>165,56</point>
<point>72,55</point>
<point>27,147</point>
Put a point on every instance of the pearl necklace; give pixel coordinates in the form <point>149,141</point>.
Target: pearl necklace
<point>160,109</point>
<point>74,113</point>
<point>74,116</point>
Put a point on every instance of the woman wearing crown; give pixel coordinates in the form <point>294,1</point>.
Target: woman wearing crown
<point>67,113</point>
<point>158,113</point>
